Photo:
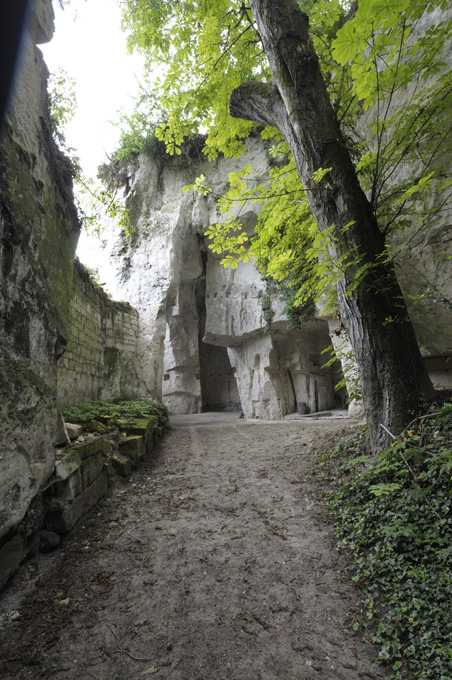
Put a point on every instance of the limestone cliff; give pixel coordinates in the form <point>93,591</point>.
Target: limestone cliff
<point>38,234</point>
<point>202,327</point>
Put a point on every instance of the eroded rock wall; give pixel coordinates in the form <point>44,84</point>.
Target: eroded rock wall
<point>189,304</point>
<point>38,235</point>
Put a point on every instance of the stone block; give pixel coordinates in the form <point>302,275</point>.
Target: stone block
<point>73,430</point>
<point>133,448</point>
<point>91,469</point>
<point>48,541</point>
<point>90,448</point>
<point>24,541</point>
<point>62,436</point>
<point>144,427</point>
<point>70,487</point>
<point>62,516</point>
<point>96,426</point>
<point>67,464</point>
<point>121,466</point>
<point>11,556</point>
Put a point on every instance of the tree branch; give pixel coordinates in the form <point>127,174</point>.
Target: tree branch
<point>256,101</point>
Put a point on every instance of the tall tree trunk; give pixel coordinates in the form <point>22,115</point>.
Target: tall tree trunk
<point>393,377</point>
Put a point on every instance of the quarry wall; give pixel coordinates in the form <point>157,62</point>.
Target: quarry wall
<point>99,359</point>
<point>204,327</point>
<point>39,230</point>
<point>189,304</point>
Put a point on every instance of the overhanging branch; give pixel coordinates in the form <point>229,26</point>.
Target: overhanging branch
<point>259,102</point>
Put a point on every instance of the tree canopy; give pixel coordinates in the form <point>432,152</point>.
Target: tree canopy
<point>367,60</point>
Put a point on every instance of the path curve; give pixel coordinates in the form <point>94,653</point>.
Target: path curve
<point>212,564</point>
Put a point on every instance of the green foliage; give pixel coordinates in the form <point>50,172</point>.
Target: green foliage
<point>298,313</point>
<point>205,67</point>
<point>342,352</point>
<point>394,520</point>
<point>396,67</point>
<point>267,307</point>
<point>63,102</point>
<point>138,129</point>
<point>209,49</point>
<point>109,413</point>
<point>96,202</point>
<point>408,130</point>
<point>286,246</point>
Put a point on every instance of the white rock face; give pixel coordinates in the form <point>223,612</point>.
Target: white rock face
<point>202,326</point>
<point>202,339</point>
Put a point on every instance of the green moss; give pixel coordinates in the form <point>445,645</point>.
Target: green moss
<point>122,466</point>
<point>92,468</point>
<point>111,362</point>
<point>44,225</point>
<point>394,522</point>
<point>132,447</point>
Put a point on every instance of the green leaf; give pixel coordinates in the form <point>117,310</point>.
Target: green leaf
<point>384,489</point>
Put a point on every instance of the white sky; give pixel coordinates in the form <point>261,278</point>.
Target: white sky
<point>89,45</point>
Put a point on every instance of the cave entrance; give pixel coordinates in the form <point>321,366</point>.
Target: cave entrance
<point>304,357</point>
<point>218,384</point>
<point>219,391</point>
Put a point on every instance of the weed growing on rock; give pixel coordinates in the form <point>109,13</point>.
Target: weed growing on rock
<point>394,521</point>
<point>108,413</point>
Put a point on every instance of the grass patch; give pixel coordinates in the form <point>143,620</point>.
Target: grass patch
<point>108,413</point>
<point>394,521</point>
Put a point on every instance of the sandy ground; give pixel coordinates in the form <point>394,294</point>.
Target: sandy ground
<point>213,563</point>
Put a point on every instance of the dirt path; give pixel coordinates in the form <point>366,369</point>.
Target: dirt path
<point>211,564</point>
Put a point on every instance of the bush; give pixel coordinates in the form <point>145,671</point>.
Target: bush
<point>395,521</point>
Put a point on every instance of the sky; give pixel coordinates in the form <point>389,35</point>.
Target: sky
<point>89,45</point>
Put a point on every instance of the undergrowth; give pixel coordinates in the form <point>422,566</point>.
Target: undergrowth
<point>394,522</point>
<point>108,413</point>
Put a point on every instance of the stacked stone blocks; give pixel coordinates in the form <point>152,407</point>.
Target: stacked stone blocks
<point>100,356</point>
<point>82,472</point>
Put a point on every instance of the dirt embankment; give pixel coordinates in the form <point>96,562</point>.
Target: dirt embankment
<point>211,564</point>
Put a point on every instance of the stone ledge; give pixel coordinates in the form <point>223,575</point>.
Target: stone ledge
<point>62,516</point>
<point>133,448</point>
<point>144,427</point>
<point>81,472</point>
<point>79,481</point>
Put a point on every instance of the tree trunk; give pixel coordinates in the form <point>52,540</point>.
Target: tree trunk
<point>393,377</point>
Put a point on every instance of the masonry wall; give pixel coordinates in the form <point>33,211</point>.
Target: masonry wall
<point>101,353</point>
